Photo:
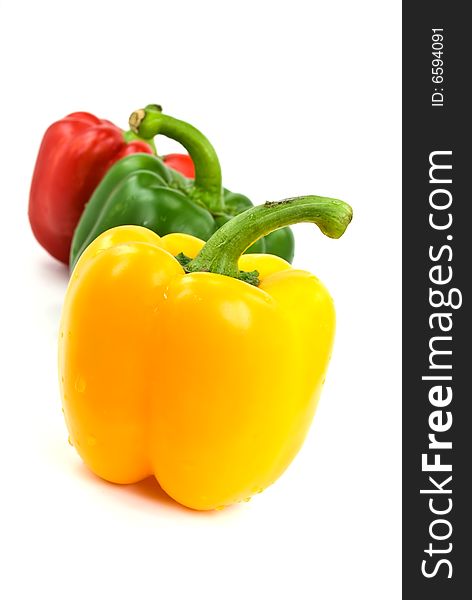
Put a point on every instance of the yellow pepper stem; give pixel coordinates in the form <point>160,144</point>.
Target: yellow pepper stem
<point>222,251</point>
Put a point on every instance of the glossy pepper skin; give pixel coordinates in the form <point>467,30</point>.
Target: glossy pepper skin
<point>74,155</point>
<point>189,373</point>
<point>181,163</point>
<point>141,190</point>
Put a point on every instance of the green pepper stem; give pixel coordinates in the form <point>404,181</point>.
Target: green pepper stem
<point>222,251</point>
<point>131,136</point>
<point>208,189</point>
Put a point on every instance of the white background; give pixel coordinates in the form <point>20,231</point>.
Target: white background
<point>297,97</point>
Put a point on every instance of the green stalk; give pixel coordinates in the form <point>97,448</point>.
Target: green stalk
<point>150,121</point>
<point>222,251</point>
<point>130,136</point>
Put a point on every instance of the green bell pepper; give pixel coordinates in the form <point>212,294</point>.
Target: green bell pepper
<point>140,190</point>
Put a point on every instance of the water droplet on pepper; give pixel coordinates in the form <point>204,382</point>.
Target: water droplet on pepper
<point>80,385</point>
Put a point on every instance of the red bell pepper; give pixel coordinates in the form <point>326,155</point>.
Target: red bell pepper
<point>182,163</point>
<point>75,154</point>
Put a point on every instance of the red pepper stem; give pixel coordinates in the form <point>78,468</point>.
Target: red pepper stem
<point>150,121</point>
<point>222,251</point>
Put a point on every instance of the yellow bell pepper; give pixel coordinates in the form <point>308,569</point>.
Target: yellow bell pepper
<point>204,373</point>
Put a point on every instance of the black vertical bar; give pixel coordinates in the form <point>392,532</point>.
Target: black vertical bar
<point>438,123</point>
